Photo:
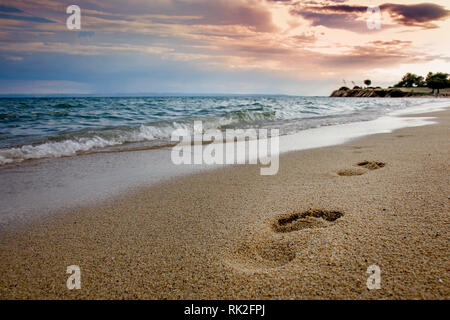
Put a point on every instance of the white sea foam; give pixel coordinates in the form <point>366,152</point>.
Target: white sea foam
<point>70,147</point>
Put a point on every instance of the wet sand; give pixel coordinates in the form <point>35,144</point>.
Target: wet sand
<point>311,231</point>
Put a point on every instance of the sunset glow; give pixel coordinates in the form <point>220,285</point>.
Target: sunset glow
<point>204,46</point>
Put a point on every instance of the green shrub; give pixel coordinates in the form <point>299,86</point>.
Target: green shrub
<point>396,93</point>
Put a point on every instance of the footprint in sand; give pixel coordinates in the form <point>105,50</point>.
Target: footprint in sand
<point>312,218</point>
<point>371,165</point>
<point>367,165</point>
<point>351,172</point>
<point>404,135</point>
<point>260,254</point>
<point>266,250</point>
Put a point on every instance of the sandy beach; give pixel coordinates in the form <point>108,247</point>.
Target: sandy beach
<point>309,232</point>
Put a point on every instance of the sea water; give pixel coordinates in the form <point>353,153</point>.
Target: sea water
<point>34,128</point>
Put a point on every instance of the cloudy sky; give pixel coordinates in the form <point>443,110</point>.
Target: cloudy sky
<point>217,46</point>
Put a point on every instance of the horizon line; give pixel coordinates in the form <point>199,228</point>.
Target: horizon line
<point>153,94</point>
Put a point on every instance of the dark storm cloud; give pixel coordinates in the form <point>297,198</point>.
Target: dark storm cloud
<point>416,14</point>
<point>342,16</point>
<point>9,9</point>
<point>334,20</point>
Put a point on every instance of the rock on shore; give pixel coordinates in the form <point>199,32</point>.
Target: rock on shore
<point>375,93</point>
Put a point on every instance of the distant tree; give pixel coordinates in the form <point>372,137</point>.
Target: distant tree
<point>410,80</point>
<point>437,81</point>
<point>344,88</point>
<point>356,87</point>
<point>367,82</point>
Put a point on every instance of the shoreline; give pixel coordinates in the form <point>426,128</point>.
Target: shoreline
<point>191,237</point>
<point>12,155</point>
<point>41,186</point>
<point>391,92</point>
